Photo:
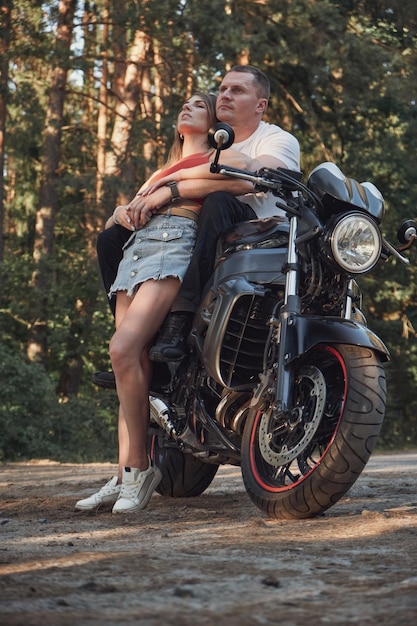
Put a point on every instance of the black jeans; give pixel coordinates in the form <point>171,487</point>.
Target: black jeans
<point>110,244</point>
<point>219,212</point>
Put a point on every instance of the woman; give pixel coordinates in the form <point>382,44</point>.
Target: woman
<point>154,262</point>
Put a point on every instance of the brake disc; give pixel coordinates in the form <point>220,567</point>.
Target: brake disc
<point>281,441</point>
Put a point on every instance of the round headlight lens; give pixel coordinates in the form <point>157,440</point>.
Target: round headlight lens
<point>356,243</point>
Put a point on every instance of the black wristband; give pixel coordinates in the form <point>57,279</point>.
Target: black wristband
<point>175,194</point>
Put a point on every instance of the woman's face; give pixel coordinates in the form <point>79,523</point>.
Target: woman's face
<point>193,117</point>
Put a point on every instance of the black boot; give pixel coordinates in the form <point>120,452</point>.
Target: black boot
<point>171,344</point>
<point>105,379</point>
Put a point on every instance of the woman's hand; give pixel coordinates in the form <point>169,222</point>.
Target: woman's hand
<point>121,217</point>
<point>142,208</point>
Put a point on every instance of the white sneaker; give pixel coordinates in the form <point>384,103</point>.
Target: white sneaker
<point>137,488</point>
<point>107,495</point>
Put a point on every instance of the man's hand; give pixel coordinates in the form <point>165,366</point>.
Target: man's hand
<point>146,191</point>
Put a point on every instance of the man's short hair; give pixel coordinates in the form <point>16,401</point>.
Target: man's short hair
<point>261,79</point>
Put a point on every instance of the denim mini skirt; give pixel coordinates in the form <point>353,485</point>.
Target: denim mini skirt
<point>161,249</point>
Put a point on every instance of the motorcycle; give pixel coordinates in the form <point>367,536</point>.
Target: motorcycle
<point>283,377</point>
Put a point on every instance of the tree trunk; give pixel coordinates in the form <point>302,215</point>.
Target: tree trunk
<point>5,12</point>
<point>102,113</point>
<point>82,313</point>
<point>117,160</point>
<point>48,195</point>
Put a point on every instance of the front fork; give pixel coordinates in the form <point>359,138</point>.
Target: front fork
<point>290,308</point>
<point>283,322</point>
<point>289,323</point>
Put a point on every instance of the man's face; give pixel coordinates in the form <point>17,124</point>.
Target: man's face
<point>238,102</point>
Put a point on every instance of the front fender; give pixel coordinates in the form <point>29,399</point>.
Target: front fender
<point>304,333</point>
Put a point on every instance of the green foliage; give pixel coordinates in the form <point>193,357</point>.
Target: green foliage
<point>34,423</point>
<point>26,408</point>
<point>344,80</point>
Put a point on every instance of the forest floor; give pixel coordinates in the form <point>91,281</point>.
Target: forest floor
<point>211,560</point>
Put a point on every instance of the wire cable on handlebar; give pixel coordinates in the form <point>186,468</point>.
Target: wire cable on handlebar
<point>267,179</point>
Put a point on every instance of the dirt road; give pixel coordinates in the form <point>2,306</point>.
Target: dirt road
<point>211,560</point>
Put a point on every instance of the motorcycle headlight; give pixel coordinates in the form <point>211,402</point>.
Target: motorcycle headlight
<point>355,243</point>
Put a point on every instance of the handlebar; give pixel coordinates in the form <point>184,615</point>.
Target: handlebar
<point>266,179</point>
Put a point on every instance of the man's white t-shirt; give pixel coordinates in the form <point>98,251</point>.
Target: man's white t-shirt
<point>270,140</point>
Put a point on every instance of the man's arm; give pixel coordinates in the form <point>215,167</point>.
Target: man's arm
<point>192,189</point>
<point>266,160</point>
<point>140,210</point>
<point>230,157</point>
<point>278,148</point>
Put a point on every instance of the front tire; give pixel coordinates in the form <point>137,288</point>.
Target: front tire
<point>297,468</point>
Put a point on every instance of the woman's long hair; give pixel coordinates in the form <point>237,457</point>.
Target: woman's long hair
<point>175,153</point>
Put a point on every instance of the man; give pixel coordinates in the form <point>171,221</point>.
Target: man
<point>242,100</point>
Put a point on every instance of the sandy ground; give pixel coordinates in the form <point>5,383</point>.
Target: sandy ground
<point>211,560</point>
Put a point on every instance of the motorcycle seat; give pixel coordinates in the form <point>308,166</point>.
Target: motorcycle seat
<point>253,232</point>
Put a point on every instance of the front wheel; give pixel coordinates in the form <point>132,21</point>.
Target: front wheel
<point>297,467</point>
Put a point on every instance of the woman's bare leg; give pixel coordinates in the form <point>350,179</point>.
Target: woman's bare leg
<point>137,322</point>
<point>123,303</point>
